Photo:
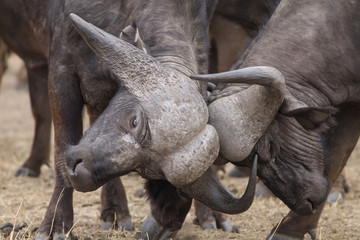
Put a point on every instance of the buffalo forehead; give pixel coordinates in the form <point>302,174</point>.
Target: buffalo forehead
<point>176,112</point>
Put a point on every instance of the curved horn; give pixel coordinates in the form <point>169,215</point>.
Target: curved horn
<point>261,75</point>
<point>129,63</point>
<point>208,190</point>
<point>242,117</point>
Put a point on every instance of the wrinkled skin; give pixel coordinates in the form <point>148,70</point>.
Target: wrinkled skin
<point>304,177</point>
<point>295,226</point>
<point>31,25</point>
<point>310,139</point>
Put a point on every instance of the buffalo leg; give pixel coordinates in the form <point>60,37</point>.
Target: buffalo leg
<point>339,189</point>
<point>114,206</point>
<point>204,216</point>
<point>59,216</point>
<point>38,86</point>
<point>169,208</point>
<point>295,226</point>
<point>209,219</point>
<point>66,105</point>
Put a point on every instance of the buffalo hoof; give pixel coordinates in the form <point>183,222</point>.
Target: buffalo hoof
<point>291,236</point>
<point>125,225</point>
<point>286,237</point>
<point>151,230</point>
<point>26,172</point>
<point>227,227</point>
<point>336,197</point>
<point>283,237</point>
<point>41,236</point>
<point>122,225</point>
<point>208,225</point>
<point>313,234</point>
<point>56,236</point>
<point>108,225</point>
<point>216,223</point>
<point>8,227</point>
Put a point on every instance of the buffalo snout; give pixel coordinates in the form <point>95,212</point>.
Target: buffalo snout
<point>76,169</point>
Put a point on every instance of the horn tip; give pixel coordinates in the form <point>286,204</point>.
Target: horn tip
<point>74,17</point>
<point>78,22</point>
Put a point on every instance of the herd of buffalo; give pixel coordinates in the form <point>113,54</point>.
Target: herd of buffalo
<point>172,87</point>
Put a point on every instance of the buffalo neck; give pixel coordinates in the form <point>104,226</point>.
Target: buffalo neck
<point>175,33</point>
<point>313,50</point>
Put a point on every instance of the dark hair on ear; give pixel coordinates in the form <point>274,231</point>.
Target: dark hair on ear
<point>268,146</point>
<point>314,118</point>
<point>326,125</point>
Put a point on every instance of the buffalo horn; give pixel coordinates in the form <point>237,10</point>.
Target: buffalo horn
<point>261,75</point>
<point>242,116</point>
<point>130,64</point>
<point>208,190</point>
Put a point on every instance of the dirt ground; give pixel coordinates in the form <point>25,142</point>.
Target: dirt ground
<point>24,200</point>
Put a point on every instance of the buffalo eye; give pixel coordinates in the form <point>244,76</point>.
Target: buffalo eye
<point>133,123</point>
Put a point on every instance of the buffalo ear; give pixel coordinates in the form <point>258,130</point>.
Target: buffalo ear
<point>312,117</point>
<point>308,117</point>
<point>131,35</point>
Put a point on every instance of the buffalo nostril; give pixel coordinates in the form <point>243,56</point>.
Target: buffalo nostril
<point>71,162</point>
<point>312,206</point>
<point>306,207</point>
<point>76,162</point>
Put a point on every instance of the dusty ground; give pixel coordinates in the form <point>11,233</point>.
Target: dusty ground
<point>24,200</point>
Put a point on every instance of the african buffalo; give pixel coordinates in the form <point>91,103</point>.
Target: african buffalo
<point>24,33</point>
<point>304,142</point>
<point>36,27</point>
<point>146,114</point>
<point>234,25</point>
<point>162,129</point>
<point>78,78</point>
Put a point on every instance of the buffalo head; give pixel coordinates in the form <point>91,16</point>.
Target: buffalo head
<point>288,135</point>
<point>156,124</point>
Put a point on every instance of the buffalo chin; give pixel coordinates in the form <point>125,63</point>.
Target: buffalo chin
<point>306,203</point>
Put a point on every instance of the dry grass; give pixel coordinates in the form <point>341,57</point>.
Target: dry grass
<point>23,201</point>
